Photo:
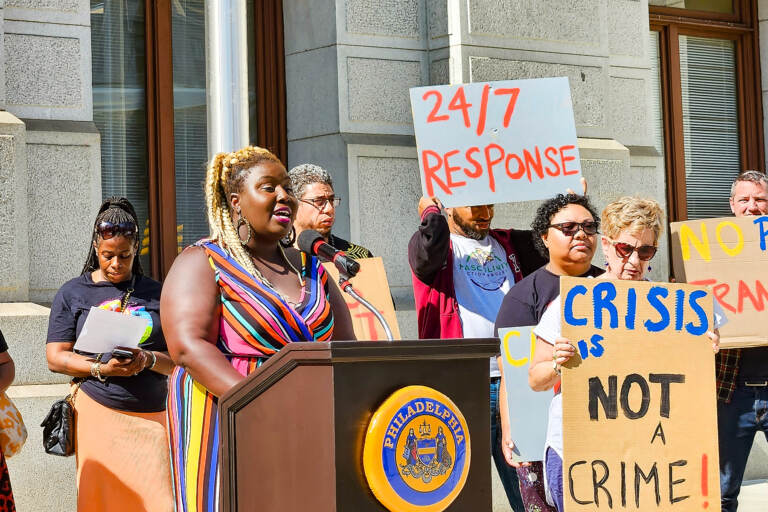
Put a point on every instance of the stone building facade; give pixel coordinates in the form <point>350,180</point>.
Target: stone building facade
<point>348,65</point>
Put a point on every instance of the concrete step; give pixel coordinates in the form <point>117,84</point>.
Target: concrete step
<point>40,481</point>
<point>24,327</point>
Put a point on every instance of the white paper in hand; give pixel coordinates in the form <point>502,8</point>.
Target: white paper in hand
<point>104,330</point>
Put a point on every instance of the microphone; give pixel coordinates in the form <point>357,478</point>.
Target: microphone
<point>312,242</point>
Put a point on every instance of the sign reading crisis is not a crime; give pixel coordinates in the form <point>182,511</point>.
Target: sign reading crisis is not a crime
<point>730,255</point>
<point>639,411</point>
<point>496,142</point>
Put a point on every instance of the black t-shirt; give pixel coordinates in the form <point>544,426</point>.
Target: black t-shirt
<point>145,392</point>
<point>754,364</point>
<point>3,344</point>
<point>525,302</point>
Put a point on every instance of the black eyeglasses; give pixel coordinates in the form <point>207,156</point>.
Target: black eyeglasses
<point>320,202</point>
<point>107,230</point>
<point>571,228</point>
<point>625,250</point>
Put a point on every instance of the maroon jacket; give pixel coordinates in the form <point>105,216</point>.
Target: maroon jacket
<point>431,258</point>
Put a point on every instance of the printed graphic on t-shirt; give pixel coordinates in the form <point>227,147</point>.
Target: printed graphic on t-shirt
<point>484,268</point>
<point>141,311</point>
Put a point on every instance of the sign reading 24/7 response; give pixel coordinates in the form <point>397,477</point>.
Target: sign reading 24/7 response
<point>730,255</point>
<point>496,142</point>
<point>639,412</point>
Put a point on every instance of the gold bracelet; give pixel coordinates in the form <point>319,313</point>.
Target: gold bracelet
<point>99,376</point>
<point>154,359</point>
<point>556,367</point>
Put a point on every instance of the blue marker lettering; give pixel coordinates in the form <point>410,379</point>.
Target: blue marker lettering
<point>679,302</point>
<point>583,349</point>
<point>597,349</point>
<point>763,230</point>
<point>602,296</point>
<point>629,318</point>
<point>568,308</point>
<point>696,307</point>
<point>653,299</point>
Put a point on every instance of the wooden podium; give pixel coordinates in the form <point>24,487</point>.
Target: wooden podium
<point>292,433</point>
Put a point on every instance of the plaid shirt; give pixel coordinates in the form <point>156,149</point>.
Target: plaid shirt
<point>727,364</point>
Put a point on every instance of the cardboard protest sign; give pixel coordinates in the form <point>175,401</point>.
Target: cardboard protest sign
<point>729,254</point>
<point>639,411</point>
<point>496,142</point>
<point>371,283</point>
<point>528,409</point>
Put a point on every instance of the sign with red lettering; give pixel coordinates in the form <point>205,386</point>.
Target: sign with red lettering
<point>371,283</point>
<point>496,142</point>
<point>639,412</point>
<point>730,255</point>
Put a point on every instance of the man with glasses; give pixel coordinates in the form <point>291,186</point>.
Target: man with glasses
<point>313,187</point>
<point>461,271</point>
<point>741,374</point>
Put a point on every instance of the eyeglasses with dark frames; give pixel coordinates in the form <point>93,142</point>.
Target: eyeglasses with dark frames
<point>107,230</point>
<point>625,250</point>
<point>589,227</point>
<point>320,202</point>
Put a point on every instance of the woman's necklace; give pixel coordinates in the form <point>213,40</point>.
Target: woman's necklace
<point>272,287</point>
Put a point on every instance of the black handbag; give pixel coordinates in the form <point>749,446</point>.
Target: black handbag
<point>59,426</point>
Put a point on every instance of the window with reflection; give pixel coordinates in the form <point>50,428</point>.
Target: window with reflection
<point>119,104</point>
<point>720,6</point>
<point>706,99</point>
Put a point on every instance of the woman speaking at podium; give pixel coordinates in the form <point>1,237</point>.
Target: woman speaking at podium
<point>233,300</point>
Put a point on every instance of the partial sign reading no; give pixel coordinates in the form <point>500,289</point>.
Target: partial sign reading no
<point>496,142</point>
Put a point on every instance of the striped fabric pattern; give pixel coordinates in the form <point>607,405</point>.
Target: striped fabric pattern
<point>255,323</point>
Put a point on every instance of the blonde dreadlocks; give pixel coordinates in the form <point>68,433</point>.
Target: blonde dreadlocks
<point>226,173</point>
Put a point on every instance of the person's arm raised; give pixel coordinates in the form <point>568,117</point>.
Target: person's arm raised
<point>189,312</point>
<point>428,247</point>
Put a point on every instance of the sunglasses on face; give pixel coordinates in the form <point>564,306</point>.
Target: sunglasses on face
<point>625,250</point>
<point>107,230</point>
<point>320,202</point>
<point>571,228</point>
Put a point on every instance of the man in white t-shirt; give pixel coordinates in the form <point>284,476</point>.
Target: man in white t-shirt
<point>461,271</point>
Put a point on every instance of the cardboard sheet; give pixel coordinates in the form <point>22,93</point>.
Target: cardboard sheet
<point>639,411</point>
<point>371,283</point>
<point>729,255</point>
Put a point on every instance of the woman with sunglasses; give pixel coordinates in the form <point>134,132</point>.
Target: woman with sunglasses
<point>631,230</point>
<point>565,231</point>
<point>120,429</point>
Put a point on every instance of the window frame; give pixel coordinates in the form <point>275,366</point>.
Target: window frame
<point>740,27</point>
<point>270,114</point>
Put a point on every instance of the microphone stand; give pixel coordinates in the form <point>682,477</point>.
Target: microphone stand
<point>345,285</point>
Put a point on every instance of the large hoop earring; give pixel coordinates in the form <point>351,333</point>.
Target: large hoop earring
<point>288,240</point>
<point>240,221</point>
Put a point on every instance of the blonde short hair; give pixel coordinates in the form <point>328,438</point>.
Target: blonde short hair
<point>634,214</point>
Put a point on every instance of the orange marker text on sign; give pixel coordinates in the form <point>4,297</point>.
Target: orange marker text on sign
<point>493,162</point>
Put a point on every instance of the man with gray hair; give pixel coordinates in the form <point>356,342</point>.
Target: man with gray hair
<point>313,187</point>
<point>741,374</point>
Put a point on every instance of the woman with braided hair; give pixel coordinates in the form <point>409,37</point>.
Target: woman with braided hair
<point>120,435</point>
<point>233,300</point>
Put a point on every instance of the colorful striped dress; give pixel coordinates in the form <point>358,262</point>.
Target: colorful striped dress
<point>255,323</point>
